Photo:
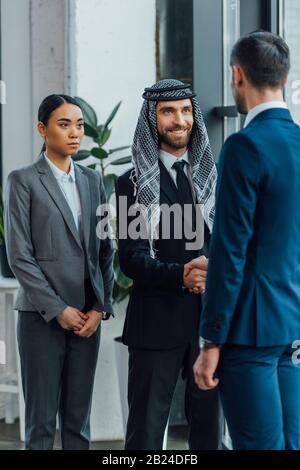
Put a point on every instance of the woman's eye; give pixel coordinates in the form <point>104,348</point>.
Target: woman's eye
<point>64,126</point>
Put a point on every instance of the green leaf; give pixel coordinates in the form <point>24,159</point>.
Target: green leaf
<point>123,281</point>
<point>122,161</point>
<point>99,153</point>
<point>1,218</point>
<point>91,131</point>
<point>109,184</point>
<point>103,135</point>
<point>119,293</point>
<point>93,167</point>
<point>89,115</point>
<point>110,152</point>
<point>112,114</point>
<point>81,155</point>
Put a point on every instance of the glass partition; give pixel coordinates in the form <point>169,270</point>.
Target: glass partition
<point>231,33</point>
<point>289,29</point>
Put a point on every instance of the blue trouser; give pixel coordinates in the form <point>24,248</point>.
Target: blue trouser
<point>260,393</point>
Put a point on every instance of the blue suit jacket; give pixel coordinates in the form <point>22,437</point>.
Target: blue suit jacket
<point>253,282</point>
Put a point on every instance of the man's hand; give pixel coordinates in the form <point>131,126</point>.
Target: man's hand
<point>194,275</point>
<point>195,281</point>
<point>206,366</point>
<point>91,325</point>
<point>71,319</point>
<point>198,263</point>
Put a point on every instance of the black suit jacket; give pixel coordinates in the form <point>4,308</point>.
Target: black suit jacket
<point>160,313</point>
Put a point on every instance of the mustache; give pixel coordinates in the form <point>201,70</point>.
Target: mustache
<point>178,128</point>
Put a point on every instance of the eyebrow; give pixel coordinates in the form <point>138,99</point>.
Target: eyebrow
<point>68,120</point>
<point>167,108</point>
<point>170,108</point>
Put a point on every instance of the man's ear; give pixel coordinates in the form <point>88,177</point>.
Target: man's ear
<point>238,75</point>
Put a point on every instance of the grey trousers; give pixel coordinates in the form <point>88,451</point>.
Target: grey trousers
<point>58,370</point>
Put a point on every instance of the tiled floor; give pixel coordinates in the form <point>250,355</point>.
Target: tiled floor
<point>9,439</point>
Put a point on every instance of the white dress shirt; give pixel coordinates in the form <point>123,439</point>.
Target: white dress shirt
<point>168,160</point>
<point>263,107</point>
<point>67,184</point>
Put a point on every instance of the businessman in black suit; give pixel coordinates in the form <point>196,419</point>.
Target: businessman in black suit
<point>173,164</point>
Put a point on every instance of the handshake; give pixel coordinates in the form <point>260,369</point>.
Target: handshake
<point>194,275</point>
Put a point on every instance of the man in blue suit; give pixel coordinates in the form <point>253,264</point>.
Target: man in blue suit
<point>251,309</point>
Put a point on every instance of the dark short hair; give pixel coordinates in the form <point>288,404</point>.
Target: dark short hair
<point>264,58</point>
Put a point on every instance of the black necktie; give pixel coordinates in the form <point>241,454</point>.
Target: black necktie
<point>183,184</point>
<point>184,189</point>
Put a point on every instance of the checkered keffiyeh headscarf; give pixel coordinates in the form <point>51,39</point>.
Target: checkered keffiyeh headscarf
<point>145,151</point>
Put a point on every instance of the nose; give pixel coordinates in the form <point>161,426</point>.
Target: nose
<point>74,131</point>
<point>179,119</point>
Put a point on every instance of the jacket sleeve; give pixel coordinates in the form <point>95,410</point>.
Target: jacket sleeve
<point>20,250</point>
<point>135,259</point>
<point>240,179</point>
<point>106,256</point>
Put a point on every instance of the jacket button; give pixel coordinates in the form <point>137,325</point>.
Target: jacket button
<point>43,312</point>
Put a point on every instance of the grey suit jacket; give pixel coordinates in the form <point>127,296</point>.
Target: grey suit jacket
<point>43,245</point>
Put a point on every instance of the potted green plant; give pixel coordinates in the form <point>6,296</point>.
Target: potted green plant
<point>5,269</point>
<point>101,160</point>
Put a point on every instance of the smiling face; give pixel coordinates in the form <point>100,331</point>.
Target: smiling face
<point>64,130</point>
<point>174,124</point>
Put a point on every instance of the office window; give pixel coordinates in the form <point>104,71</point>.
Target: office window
<point>231,33</point>
<point>175,39</point>
<point>2,101</point>
<point>290,15</point>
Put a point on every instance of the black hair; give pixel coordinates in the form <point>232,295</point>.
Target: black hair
<point>50,104</point>
<point>264,58</point>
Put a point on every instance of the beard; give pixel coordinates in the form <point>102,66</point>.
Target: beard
<point>177,142</point>
<point>239,101</point>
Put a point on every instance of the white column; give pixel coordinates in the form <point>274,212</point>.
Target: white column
<point>35,63</point>
<point>49,54</point>
<point>16,74</point>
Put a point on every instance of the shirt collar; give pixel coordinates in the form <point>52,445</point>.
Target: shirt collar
<point>168,159</point>
<point>58,173</point>
<point>263,107</point>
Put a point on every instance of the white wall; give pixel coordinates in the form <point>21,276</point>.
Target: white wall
<point>115,60</point>
<point>115,43</point>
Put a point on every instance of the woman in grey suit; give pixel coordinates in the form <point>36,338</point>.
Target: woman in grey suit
<point>65,275</point>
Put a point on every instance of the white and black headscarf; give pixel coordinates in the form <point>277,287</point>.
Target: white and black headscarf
<point>145,151</point>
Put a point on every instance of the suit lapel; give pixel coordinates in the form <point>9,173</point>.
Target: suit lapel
<point>49,182</point>
<point>85,199</point>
